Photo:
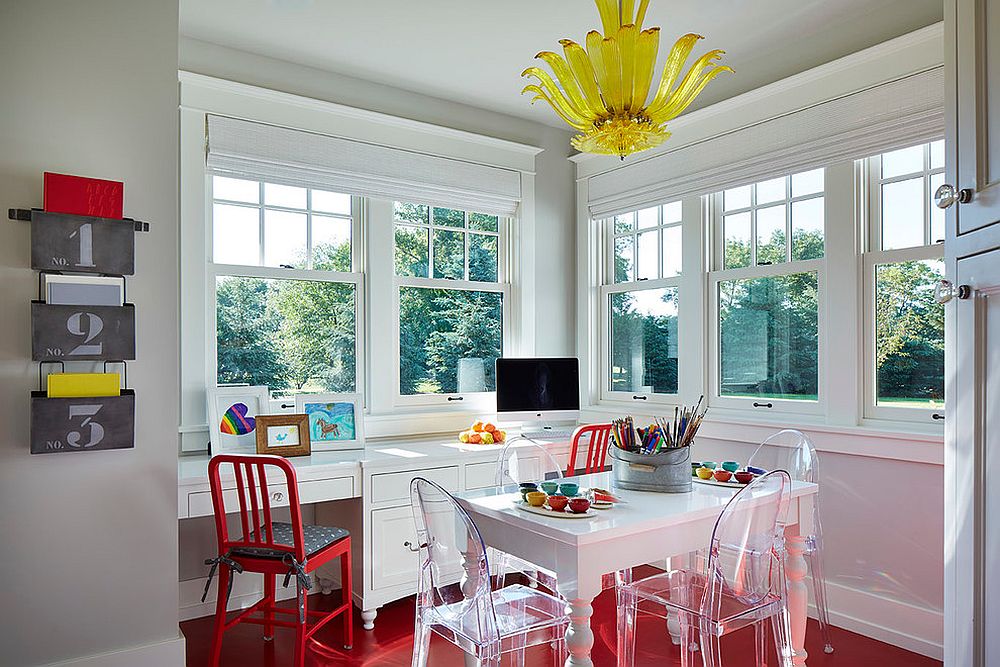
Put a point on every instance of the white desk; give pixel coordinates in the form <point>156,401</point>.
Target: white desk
<point>368,493</point>
<point>650,527</point>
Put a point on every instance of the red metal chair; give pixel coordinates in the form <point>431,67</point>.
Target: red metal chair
<point>597,449</point>
<point>273,548</point>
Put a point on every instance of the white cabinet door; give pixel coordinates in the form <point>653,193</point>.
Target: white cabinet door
<point>972,359</point>
<point>977,87</point>
<point>393,563</point>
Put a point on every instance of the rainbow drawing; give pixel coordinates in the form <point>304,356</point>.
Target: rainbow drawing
<point>236,422</point>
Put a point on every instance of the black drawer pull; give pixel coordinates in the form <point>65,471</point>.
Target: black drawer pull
<point>762,405</point>
<point>639,398</point>
<point>456,398</point>
<point>937,416</point>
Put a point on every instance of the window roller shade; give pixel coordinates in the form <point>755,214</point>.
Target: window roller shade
<point>893,115</point>
<point>284,155</point>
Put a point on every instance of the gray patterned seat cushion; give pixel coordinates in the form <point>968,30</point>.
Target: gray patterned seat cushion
<point>316,538</point>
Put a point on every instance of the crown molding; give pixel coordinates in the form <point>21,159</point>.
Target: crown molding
<point>795,88</point>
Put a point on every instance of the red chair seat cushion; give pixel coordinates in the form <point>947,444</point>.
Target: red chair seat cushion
<point>316,539</point>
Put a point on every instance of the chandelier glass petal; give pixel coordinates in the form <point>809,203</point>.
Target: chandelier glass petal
<point>601,88</point>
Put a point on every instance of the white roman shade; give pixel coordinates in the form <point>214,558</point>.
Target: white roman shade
<point>892,115</point>
<point>284,155</point>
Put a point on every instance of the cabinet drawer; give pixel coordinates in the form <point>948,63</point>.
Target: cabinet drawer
<point>315,491</point>
<point>480,476</point>
<point>395,486</point>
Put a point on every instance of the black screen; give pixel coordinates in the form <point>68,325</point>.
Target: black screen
<point>538,385</point>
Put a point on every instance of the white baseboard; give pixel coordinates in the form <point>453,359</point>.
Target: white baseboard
<point>898,623</point>
<point>168,653</point>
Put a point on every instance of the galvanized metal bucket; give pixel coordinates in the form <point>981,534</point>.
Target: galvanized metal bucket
<point>666,472</point>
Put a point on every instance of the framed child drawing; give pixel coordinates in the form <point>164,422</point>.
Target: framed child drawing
<point>336,422</point>
<point>232,418</point>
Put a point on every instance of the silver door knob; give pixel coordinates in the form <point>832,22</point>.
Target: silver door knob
<point>946,195</point>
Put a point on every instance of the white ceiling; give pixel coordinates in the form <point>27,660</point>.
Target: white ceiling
<point>473,51</point>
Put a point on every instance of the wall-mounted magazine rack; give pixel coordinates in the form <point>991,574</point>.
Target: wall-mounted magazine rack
<point>64,243</point>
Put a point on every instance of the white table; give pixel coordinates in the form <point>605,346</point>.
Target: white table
<point>647,529</point>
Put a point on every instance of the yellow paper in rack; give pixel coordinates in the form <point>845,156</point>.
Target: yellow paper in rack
<point>80,385</point>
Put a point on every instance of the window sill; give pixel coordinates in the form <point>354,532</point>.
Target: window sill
<point>895,441</point>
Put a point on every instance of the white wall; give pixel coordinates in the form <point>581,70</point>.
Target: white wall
<point>555,238</point>
<point>88,541</point>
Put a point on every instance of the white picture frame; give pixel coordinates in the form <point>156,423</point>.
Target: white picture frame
<point>328,416</point>
<point>256,399</point>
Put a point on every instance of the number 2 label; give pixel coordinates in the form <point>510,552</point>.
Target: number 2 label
<point>94,326</point>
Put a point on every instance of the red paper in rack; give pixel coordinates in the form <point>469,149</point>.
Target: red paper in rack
<point>83,196</point>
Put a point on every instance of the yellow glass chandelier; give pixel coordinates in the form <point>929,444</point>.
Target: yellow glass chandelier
<point>602,90</point>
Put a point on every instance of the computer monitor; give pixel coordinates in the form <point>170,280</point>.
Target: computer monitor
<point>544,389</point>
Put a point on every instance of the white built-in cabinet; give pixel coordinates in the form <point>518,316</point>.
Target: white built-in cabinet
<point>384,534</point>
<point>972,252</point>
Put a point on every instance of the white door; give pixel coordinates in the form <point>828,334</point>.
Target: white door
<point>972,253</point>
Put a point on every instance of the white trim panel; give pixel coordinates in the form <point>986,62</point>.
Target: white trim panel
<point>895,114</point>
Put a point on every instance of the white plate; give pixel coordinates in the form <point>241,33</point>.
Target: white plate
<point>545,511</point>
<point>731,484</point>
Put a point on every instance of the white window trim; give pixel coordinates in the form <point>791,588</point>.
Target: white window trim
<point>765,405</point>
<point>607,286</point>
<point>869,172</point>
<point>215,270</point>
<point>485,401</point>
<point>201,95</point>
<point>606,393</point>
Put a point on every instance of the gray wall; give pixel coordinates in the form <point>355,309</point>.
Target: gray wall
<point>555,235</point>
<point>88,541</point>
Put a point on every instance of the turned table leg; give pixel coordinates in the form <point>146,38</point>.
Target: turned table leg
<point>368,618</point>
<point>579,636</point>
<point>798,596</point>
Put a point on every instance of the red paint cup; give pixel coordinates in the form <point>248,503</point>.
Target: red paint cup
<point>722,475</point>
<point>744,477</point>
<point>579,505</point>
<point>558,502</point>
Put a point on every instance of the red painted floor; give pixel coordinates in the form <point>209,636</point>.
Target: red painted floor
<point>390,643</point>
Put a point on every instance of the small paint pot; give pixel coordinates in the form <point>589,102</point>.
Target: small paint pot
<point>569,489</point>
<point>722,475</point>
<point>744,477</point>
<point>731,466</point>
<point>535,498</point>
<point>558,502</point>
<point>549,487</point>
<point>695,465</point>
<point>578,505</point>
<point>704,473</point>
<point>755,470</point>
<point>709,464</point>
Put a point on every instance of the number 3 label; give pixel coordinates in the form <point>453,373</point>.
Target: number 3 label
<point>73,438</point>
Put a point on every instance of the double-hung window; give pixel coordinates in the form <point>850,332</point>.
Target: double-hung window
<point>452,300</point>
<point>286,280</point>
<point>767,261</point>
<point>639,304</point>
<point>904,325</point>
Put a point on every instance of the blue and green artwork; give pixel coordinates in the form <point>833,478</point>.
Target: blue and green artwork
<point>330,422</point>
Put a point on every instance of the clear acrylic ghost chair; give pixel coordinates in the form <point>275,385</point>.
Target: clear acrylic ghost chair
<point>524,460</point>
<point>463,608</point>
<point>744,583</point>
<point>792,451</point>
